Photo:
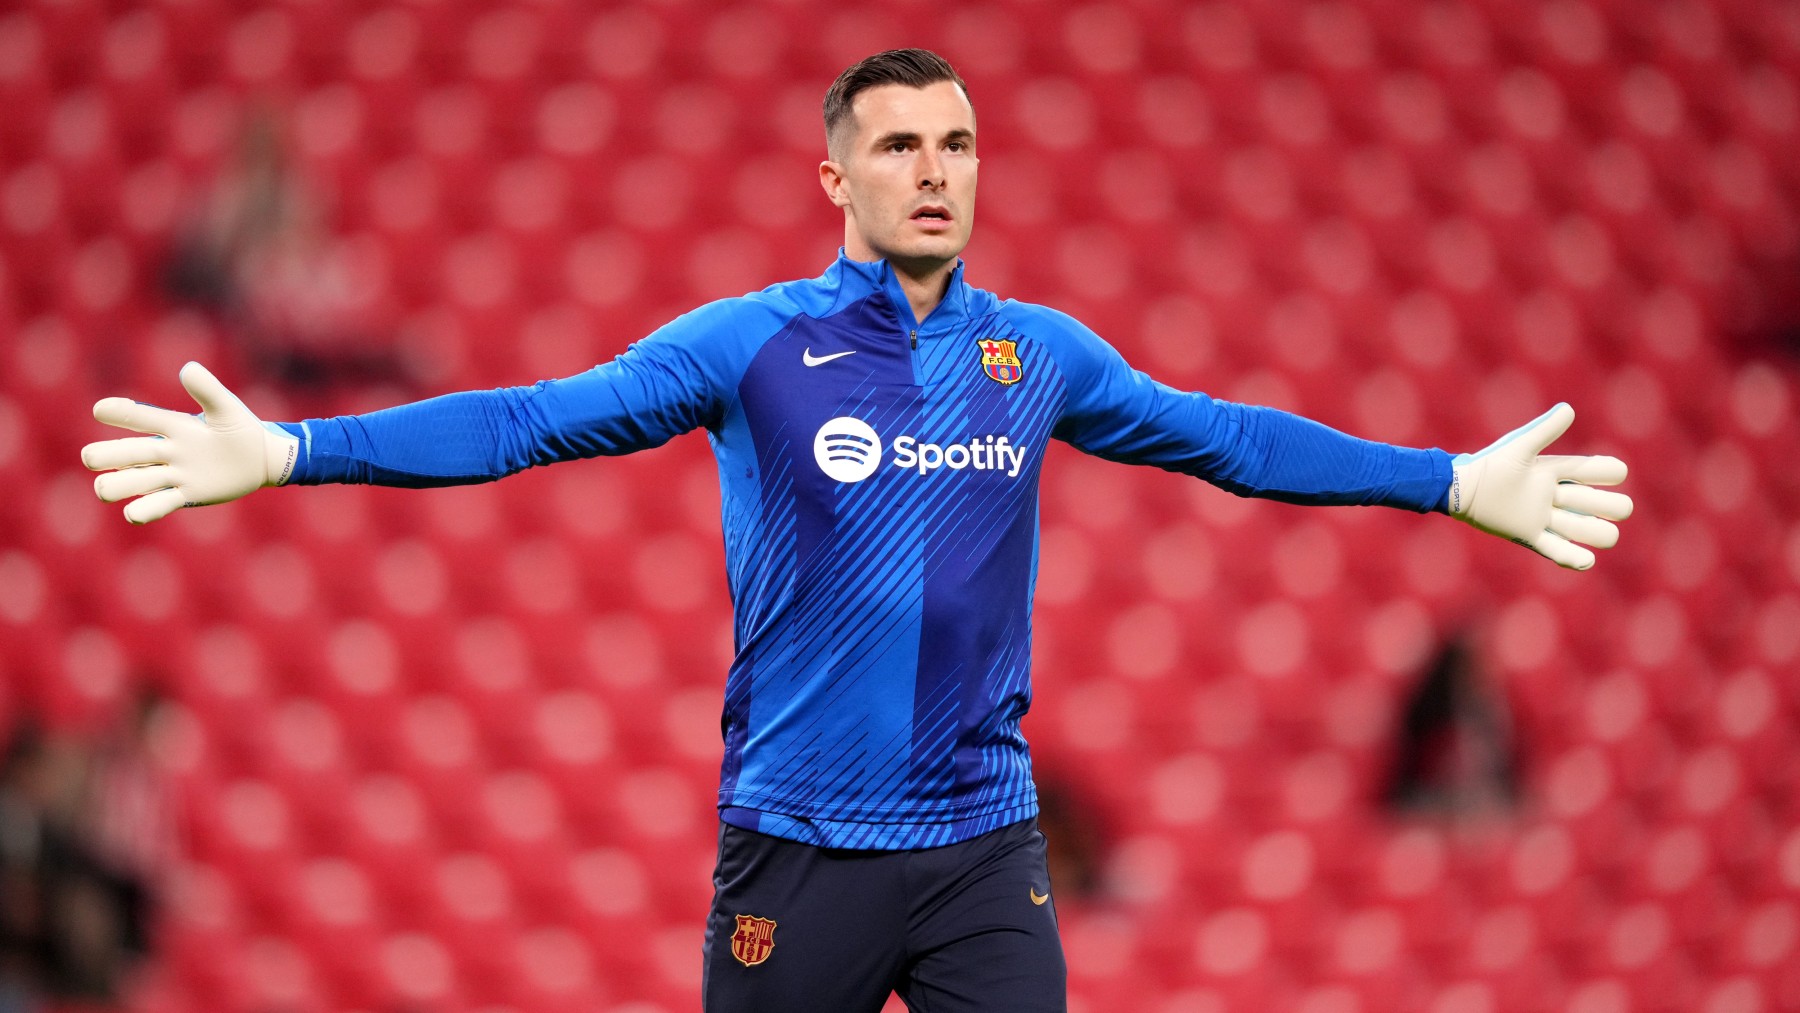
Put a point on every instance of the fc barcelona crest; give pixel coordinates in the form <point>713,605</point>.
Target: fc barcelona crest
<point>754,940</point>
<point>1000,361</point>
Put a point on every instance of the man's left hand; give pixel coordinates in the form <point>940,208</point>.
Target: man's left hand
<point>1544,502</point>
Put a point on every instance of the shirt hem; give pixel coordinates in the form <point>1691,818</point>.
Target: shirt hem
<point>889,831</point>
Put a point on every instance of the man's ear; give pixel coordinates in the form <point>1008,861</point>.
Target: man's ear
<point>831,177</point>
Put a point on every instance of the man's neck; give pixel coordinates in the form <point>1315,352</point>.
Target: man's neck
<point>924,287</point>
<point>925,282</point>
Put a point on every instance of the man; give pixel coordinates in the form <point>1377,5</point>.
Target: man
<point>879,432</point>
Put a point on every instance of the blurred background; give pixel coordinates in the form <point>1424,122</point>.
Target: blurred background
<point>377,750</point>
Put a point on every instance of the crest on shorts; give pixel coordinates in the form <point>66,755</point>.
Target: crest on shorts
<point>754,940</point>
<point>1000,361</point>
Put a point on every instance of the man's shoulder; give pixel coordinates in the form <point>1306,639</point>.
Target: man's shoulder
<point>754,316</point>
<point>772,305</point>
<point>813,297</point>
<point>1039,321</point>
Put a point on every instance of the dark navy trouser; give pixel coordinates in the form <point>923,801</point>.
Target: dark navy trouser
<point>965,927</point>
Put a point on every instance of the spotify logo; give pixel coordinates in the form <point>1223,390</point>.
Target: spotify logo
<point>847,449</point>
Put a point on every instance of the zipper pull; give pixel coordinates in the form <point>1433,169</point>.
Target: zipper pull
<point>915,339</point>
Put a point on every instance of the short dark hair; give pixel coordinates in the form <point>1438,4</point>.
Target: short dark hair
<point>914,68</point>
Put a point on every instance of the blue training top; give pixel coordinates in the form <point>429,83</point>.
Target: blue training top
<point>880,488</point>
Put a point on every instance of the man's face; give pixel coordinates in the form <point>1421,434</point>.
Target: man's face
<point>906,178</point>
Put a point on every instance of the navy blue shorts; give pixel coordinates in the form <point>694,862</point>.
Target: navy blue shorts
<point>965,927</point>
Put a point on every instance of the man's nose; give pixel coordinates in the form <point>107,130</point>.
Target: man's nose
<point>931,171</point>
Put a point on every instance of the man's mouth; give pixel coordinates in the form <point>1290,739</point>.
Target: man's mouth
<point>931,213</point>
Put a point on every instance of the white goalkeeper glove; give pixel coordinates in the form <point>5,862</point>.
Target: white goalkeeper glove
<point>1545,503</point>
<point>187,460</point>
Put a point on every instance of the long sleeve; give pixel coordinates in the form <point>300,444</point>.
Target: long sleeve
<point>676,380</point>
<point>1121,414</point>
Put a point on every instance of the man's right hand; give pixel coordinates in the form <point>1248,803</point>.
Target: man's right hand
<point>187,460</point>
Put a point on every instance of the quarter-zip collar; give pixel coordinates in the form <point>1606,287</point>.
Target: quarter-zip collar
<point>858,278</point>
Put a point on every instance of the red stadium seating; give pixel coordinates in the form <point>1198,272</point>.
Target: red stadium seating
<point>457,749</point>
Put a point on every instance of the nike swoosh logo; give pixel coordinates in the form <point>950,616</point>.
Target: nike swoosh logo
<point>1038,898</point>
<point>811,360</point>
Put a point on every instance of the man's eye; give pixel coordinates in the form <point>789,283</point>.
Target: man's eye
<point>954,145</point>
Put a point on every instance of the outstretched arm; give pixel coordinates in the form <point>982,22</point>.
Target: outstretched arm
<point>1121,414</point>
<point>663,386</point>
<point>1544,503</point>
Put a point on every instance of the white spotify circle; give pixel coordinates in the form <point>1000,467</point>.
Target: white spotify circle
<point>847,449</point>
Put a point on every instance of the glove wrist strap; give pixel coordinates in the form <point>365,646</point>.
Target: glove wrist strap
<point>280,453</point>
<point>1462,488</point>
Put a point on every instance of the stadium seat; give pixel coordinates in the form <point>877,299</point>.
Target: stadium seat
<point>1419,225</point>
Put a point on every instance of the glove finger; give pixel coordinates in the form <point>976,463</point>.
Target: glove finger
<point>129,452</point>
<point>117,485</point>
<point>1561,551</point>
<point>214,399</point>
<point>1601,534</point>
<point>155,506</point>
<point>1543,432</point>
<point>136,416</point>
<point>1614,506</point>
<point>1587,470</point>
<point>1532,437</point>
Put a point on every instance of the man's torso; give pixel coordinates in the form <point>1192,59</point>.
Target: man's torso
<point>880,515</point>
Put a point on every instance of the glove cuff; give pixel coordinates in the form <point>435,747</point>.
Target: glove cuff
<point>1461,494</point>
<point>281,452</point>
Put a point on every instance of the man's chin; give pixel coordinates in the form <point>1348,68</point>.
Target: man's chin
<point>927,251</point>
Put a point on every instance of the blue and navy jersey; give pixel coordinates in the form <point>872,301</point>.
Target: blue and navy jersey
<point>880,490</point>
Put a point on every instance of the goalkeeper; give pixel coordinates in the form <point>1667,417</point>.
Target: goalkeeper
<point>879,432</point>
